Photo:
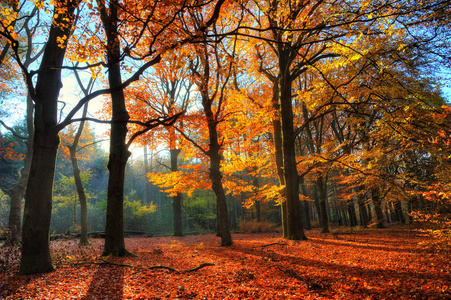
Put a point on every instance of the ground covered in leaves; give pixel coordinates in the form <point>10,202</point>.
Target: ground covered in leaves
<point>364,264</point>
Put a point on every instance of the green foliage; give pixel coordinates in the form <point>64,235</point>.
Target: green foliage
<point>137,216</point>
<point>66,205</point>
<point>201,211</point>
<point>4,209</point>
<point>256,227</point>
<point>12,152</point>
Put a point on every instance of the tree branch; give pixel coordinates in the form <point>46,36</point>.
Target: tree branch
<point>15,133</point>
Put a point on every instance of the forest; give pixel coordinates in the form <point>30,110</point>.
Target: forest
<point>267,149</point>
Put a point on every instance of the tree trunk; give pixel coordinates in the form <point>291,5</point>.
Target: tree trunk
<point>306,208</point>
<point>377,201</point>
<point>216,184</point>
<point>352,213</point>
<point>322,197</point>
<point>277,137</point>
<point>81,196</point>
<point>78,182</point>
<point>38,205</point>
<point>399,213</point>
<point>147,171</point>
<point>257,202</point>
<point>15,209</point>
<point>119,154</point>
<point>295,229</point>
<point>177,199</point>
<point>38,199</point>
<point>362,209</point>
<point>18,191</point>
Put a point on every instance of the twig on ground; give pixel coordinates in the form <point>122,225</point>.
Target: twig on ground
<point>267,245</point>
<point>105,262</point>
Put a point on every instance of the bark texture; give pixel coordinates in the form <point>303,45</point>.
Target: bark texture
<point>119,154</point>
<point>295,228</point>
<point>38,200</point>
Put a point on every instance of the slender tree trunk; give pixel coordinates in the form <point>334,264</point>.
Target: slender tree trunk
<point>352,213</point>
<point>322,197</point>
<point>257,202</point>
<point>15,210</point>
<point>177,199</point>
<point>306,208</point>
<point>78,182</point>
<point>18,191</point>
<point>216,184</point>
<point>362,209</point>
<point>387,213</point>
<point>399,213</point>
<point>119,154</point>
<point>277,136</point>
<point>38,199</point>
<point>147,171</point>
<point>377,201</point>
<point>81,196</point>
<point>258,211</point>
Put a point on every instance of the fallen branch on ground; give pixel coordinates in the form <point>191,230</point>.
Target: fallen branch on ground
<point>267,245</point>
<point>105,262</point>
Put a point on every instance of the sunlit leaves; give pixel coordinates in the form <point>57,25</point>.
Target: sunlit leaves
<point>257,266</point>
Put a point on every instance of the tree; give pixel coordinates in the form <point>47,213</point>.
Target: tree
<point>212,84</point>
<point>38,205</point>
<point>76,170</point>
<point>30,55</point>
<point>166,92</point>
<point>114,238</point>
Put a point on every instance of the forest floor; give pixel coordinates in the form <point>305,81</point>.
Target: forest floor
<point>364,264</point>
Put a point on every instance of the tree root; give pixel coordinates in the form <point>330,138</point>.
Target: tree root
<point>104,262</point>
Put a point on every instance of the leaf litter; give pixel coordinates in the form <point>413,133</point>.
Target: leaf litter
<point>367,264</point>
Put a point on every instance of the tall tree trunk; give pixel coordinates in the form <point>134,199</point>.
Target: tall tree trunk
<point>216,184</point>
<point>177,199</point>
<point>352,213</point>
<point>362,208</point>
<point>322,198</point>
<point>18,191</point>
<point>377,201</point>
<point>258,211</point>
<point>38,204</point>
<point>38,199</point>
<point>399,213</point>
<point>119,154</point>
<point>15,209</point>
<point>306,208</point>
<point>81,196</point>
<point>77,178</point>
<point>257,202</point>
<point>387,212</point>
<point>147,171</point>
<point>295,229</point>
<point>277,137</point>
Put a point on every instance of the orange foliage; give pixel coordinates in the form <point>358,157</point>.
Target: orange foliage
<point>67,139</point>
<point>8,153</point>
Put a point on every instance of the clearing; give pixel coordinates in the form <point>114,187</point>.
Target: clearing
<point>365,264</point>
